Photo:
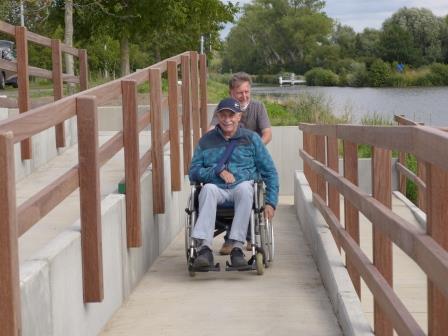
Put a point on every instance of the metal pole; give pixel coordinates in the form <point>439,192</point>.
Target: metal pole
<point>22,16</point>
<point>202,44</point>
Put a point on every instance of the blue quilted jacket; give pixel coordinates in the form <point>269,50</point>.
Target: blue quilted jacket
<point>250,160</point>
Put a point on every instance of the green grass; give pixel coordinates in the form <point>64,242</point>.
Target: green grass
<point>411,187</point>
<point>216,91</point>
<point>302,108</point>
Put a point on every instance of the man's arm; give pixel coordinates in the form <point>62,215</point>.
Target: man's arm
<point>198,172</point>
<point>266,168</point>
<point>266,135</point>
<point>264,124</point>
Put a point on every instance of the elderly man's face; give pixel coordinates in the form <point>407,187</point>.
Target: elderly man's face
<point>242,93</point>
<point>228,121</point>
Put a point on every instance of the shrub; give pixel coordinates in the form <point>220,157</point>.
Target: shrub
<point>265,79</point>
<point>397,80</point>
<point>359,76</point>
<point>379,73</point>
<point>321,77</point>
<point>438,74</point>
<point>411,187</point>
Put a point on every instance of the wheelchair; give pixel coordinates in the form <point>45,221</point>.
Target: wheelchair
<point>262,231</point>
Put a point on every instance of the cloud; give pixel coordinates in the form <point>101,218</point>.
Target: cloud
<point>361,14</point>
<point>372,13</point>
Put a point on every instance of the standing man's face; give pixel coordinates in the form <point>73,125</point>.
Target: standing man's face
<point>242,94</point>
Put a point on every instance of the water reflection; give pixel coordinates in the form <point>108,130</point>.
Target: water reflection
<point>428,105</point>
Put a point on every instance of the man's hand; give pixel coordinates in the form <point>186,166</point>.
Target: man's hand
<point>269,211</point>
<point>227,176</point>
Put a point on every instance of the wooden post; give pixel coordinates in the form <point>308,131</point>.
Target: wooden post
<point>174,127</point>
<point>194,97</point>
<point>90,199</point>
<point>83,70</point>
<point>23,81</point>
<point>351,214</point>
<point>382,246</point>
<point>333,163</point>
<point>203,89</point>
<point>186,112</point>
<point>158,189</point>
<point>321,185</point>
<point>311,144</point>
<point>402,183</point>
<point>437,224</point>
<point>421,195</point>
<point>131,163</point>
<point>58,87</point>
<point>306,148</point>
<point>10,315</point>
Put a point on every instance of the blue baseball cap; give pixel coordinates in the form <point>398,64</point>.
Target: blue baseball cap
<point>230,104</point>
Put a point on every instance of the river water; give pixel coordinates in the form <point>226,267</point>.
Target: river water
<point>428,105</point>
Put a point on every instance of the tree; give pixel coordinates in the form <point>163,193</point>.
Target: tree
<point>345,38</point>
<point>163,25</point>
<point>422,29</point>
<point>367,43</point>
<point>396,44</point>
<point>276,35</point>
<point>444,37</point>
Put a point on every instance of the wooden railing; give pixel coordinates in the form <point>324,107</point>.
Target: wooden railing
<point>428,250</point>
<point>15,221</point>
<point>24,71</point>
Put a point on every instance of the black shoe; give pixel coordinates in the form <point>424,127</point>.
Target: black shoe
<point>204,258</point>
<point>237,258</point>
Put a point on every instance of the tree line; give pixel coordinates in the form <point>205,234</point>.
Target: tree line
<point>122,35</point>
<point>274,36</point>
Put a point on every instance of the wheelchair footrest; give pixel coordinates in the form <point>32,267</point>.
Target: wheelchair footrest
<point>216,268</point>
<point>231,268</point>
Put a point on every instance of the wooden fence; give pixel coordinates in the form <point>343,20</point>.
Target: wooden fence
<point>428,250</point>
<point>15,221</point>
<point>24,71</point>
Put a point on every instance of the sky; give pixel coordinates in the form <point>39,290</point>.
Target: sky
<point>360,14</point>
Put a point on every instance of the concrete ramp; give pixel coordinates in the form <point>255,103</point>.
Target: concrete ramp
<point>289,299</point>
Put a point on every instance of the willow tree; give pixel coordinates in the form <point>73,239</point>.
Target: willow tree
<point>276,35</point>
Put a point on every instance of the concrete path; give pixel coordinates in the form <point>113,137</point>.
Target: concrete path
<point>289,299</point>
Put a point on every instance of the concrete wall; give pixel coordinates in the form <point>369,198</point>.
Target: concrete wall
<point>51,283</point>
<point>341,292</point>
<point>43,145</point>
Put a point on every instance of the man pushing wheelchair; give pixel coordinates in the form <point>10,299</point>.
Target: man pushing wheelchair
<point>227,161</point>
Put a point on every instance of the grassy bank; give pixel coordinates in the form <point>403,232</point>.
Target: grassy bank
<point>379,74</point>
<point>302,108</point>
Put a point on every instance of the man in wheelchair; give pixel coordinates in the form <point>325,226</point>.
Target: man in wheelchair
<point>227,160</point>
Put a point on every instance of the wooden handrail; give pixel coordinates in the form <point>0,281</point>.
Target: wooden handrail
<point>85,175</point>
<point>24,71</point>
<point>429,250</point>
<point>405,324</point>
<point>409,139</point>
<point>410,175</point>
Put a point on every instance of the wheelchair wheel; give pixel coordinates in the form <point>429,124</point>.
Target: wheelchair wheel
<point>267,241</point>
<point>259,263</point>
<point>270,240</point>
<point>187,234</point>
<point>190,220</point>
